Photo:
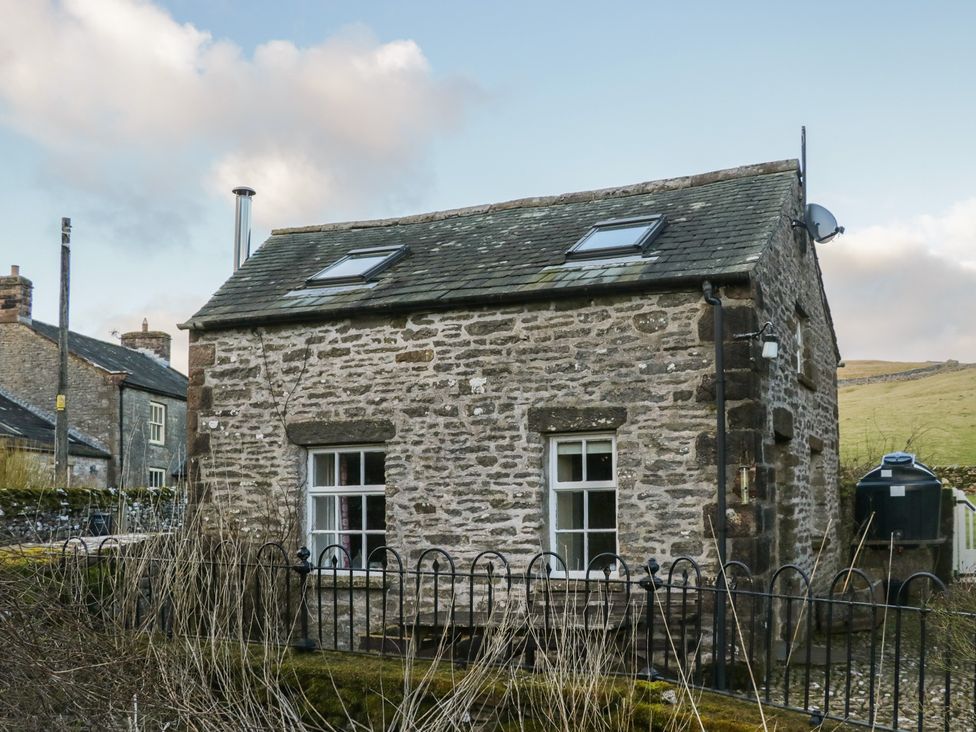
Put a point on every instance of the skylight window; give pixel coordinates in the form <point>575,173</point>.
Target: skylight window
<point>617,237</point>
<point>358,266</point>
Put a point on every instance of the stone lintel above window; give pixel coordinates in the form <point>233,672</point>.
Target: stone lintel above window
<point>341,432</point>
<point>576,419</point>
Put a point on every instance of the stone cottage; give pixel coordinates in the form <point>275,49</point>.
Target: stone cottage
<point>24,427</point>
<point>125,397</point>
<point>535,374</point>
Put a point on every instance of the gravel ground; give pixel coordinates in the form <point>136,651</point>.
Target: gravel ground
<point>858,706</point>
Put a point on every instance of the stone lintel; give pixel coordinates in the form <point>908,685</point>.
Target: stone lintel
<point>340,432</point>
<point>576,419</point>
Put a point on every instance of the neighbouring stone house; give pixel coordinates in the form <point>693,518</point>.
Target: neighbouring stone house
<point>125,397</point>
<point>24,427</point>
<point>535,374</point>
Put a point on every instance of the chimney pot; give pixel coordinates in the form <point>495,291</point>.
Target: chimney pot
<point>15,270</point>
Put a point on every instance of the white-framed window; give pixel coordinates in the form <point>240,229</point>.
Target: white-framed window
<point>157,423</point>
<point>157,478</point>
<point>583,499</point>
<point>347,505</point>
<point>617,237</point>
<point>358,266</point>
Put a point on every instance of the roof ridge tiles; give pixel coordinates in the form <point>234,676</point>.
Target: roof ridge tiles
<point>635,189</point>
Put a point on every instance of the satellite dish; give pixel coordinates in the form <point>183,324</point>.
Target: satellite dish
<point>820,223</point>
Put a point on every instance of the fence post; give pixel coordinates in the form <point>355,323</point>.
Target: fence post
<point>651,584</point>
<point>304,568</point>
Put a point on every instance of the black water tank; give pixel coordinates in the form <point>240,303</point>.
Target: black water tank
<point>905,498</point>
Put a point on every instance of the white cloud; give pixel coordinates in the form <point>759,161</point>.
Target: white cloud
<point>123,96</point>
<point>906,290</point>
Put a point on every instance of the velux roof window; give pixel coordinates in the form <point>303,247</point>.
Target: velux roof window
<point>357,266</point>
<point>617,237</point>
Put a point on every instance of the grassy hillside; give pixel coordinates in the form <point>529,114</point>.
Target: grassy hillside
<point>860,369</point>
<point>933,416</point>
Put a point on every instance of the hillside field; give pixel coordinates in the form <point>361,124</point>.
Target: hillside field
<point>933,416</point>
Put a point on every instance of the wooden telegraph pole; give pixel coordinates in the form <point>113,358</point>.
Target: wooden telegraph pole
<point>61,401</point>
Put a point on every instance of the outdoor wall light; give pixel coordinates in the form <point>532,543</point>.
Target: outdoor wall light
<point>770,341</point>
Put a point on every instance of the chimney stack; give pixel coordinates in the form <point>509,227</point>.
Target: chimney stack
<point>15,297</point>
<point>242,224</point>
<point>155,341</point>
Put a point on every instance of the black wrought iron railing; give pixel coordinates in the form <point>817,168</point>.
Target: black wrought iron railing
<point>886,655</point>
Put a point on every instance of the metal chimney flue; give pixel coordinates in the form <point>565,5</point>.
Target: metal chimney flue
<point>242,224</point>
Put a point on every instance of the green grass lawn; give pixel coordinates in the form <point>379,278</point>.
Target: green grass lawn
<point>934,417</point>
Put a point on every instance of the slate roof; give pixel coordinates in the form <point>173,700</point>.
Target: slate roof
<point>142,371</point>
<point>718,226</point>
<point>22,423</point>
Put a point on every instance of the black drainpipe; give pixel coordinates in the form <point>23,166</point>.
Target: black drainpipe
<point>720,523</point>
<point>121,439</point>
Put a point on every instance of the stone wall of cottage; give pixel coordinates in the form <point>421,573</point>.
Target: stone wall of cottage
<point>797,460</point>
<point>29,370</point>
<point>469,397</point>
<point>140,454</point>
<point>465,468</point>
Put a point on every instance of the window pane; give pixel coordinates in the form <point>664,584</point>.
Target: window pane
<point>375,513</point>
<point>570,548</point>
<point>374,541</point>
<point>602,542</point>
<point>569,461</point>
<point>324,513</point>
<point>613,237</point>
<point>569,510</point>
<point>353,544</point>
<point>323,469</point>
<point>375,468</point>
<point>319,543</point>
<point>351,513</point>
<point>603,510</point>
<point>349,468</point>
<point>599,460</point>
<point>354,265</point>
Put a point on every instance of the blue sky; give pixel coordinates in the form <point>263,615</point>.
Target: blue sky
<point>135,119</point>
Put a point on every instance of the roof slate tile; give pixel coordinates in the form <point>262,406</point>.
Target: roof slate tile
<point>718,225</point>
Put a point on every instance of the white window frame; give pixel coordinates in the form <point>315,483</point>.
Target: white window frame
<point>654,224</point>
<point>338,491</point>
<point>161,475</point>
<point>555,487</point>
<point>157,428</point>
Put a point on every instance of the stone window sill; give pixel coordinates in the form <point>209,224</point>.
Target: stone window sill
<point>342,581</point>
